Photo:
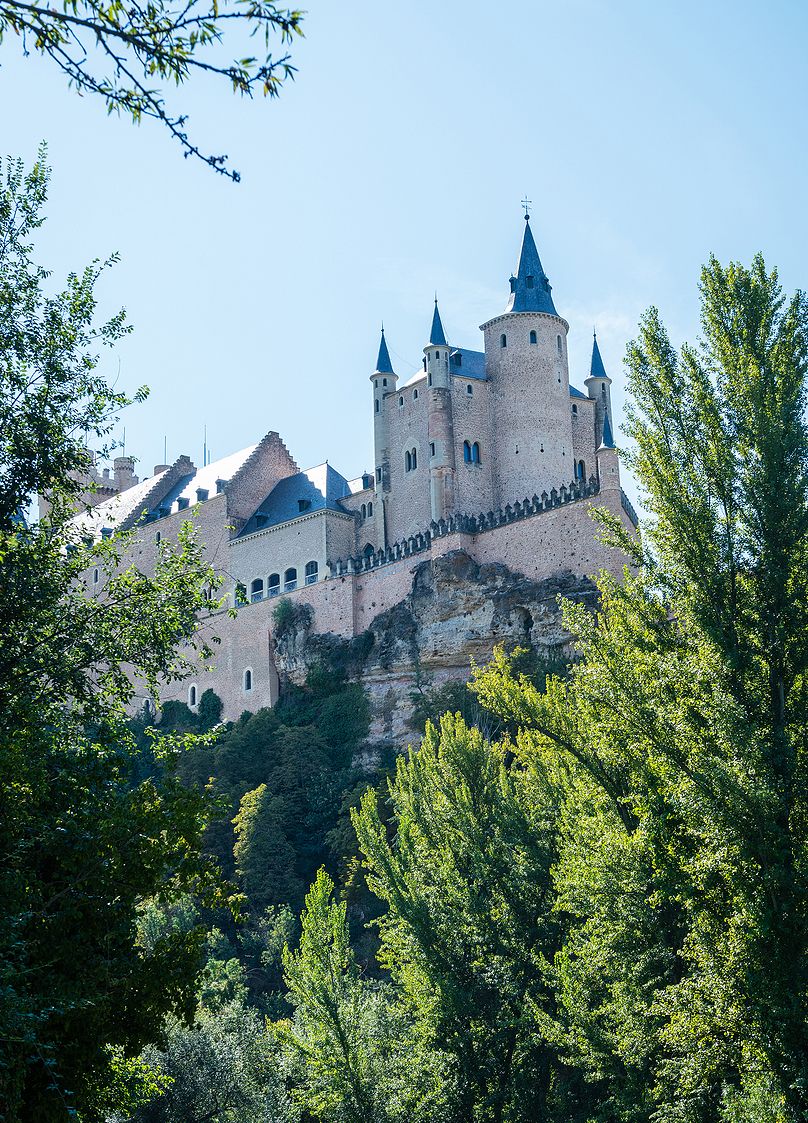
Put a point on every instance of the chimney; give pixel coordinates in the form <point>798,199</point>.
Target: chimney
<point>124,468</point>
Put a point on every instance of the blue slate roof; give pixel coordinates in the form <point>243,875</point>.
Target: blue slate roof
<point>316,489</point>
<point>530,288</point>
<point>471,365</point>
<point>576,393</point>
<point>437,334</point>
<point>597,369</point>
<point>383,364</point>
<point>607,441</point>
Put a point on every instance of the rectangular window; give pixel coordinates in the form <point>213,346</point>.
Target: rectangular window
<point>431,448</point>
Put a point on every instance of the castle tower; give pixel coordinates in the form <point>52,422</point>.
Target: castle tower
<point>384,381</point>
<point>526,361</point>
<point>439,421</point>
<point>598,387</point>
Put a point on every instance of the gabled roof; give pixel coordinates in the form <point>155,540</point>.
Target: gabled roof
<point>471,365</point>
<point>530,288</point>
<point>115,513</point>
<point>316,489</point>
<point>204,479</point>
<point>437,335</point>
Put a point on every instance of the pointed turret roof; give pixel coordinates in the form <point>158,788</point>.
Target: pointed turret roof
<point>530,288</point>
<point>437,334</point>
<point>607,440</point>
<point>596,368</point>
<point>383,364</point>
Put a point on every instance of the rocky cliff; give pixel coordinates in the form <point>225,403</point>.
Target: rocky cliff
<point>456,612</point>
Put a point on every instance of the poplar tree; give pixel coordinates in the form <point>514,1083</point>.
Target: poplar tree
<point>683,979</point>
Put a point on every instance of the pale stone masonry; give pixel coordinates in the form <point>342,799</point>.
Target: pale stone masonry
<point>491,452</point>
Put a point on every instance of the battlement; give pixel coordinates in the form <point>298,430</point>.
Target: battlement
<point>473,525</point>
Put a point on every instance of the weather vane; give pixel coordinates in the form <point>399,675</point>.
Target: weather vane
<point>527,204</point>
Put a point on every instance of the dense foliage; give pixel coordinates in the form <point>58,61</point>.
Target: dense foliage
<point>84,837</point>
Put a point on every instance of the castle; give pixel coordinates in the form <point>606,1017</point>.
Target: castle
<point>491,452</point>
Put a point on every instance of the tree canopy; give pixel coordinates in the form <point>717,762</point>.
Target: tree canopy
<point>126,53</point>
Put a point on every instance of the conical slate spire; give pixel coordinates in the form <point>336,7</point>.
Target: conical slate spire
<point>607,440</point>
<point>530,289</point>
<point>597,369</point>
<point>437,335</point>
<point>383,364</point>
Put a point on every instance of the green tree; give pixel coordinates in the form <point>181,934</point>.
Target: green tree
<point>85,836</point>
<point>125,52</point>
<point>470,929</point>
<point>683,853</point>
<point>352,1052</point>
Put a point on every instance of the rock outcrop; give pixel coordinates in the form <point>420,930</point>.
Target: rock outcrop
<point>457,611</point>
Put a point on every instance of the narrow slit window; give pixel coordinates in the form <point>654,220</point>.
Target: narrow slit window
<point>503,340</point>
<point>247,681</point>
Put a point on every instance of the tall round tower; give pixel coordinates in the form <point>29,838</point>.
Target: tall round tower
<point>526,362</point>
<point>439,421</point>
<point>384,380</point>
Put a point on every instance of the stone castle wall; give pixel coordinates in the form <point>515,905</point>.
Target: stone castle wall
<point>539,544</point>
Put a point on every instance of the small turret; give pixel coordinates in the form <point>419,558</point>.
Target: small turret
<point>436,353</point>
<point>598,387</point>
<point>384,380</point>
<point>440,422</point>
<point>608,460</point>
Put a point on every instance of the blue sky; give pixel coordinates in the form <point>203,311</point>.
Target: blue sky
<point>646,135</point>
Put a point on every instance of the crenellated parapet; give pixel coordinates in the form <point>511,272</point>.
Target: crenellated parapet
<point>471,525</point>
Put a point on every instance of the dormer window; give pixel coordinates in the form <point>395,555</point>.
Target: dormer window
<point>304,504</point>
<point>529,282</point>
<point>260,520</point>
<point>201,494</point>
<point>182,503</point>
<point>220,486</point>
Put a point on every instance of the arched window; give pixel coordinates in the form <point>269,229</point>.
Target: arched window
<point>368,550</point>
<point>401,401</point>
<point>429,379</point>
<point>377,405</point>
<point>407,461</point>
<point>469,389</point>
<point>475,453</point>
<point>290,579</point>
<point>370,509</point>
<point>95,576</point>
<point>503,340</point>
<point>247,681</point>
<point>274,584</point>
<point>364,510</point>
<point>559,345</point>
<point>414,395</point>
<point>574,408</point>
<point>415,458</point>
<point>312,569</point>
<point>191,695</point>
<point>533,338</point>
<point>158,538</point>
<point>580,470</point>
<point>257,589</point>
<point>529,282</point>
<point>467,452</point>
<point>384,382</point>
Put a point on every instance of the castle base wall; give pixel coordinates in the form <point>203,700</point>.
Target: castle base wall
<point>558,540</point>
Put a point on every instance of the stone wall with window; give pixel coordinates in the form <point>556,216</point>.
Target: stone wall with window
<point>408,506</point>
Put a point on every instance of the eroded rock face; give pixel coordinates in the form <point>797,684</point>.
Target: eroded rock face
<point>456,612</point>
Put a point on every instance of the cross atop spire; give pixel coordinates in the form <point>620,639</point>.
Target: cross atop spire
<point>530,288</point>
<point>437,335</point>
<point>527,204</point>
<point>383,364</point>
